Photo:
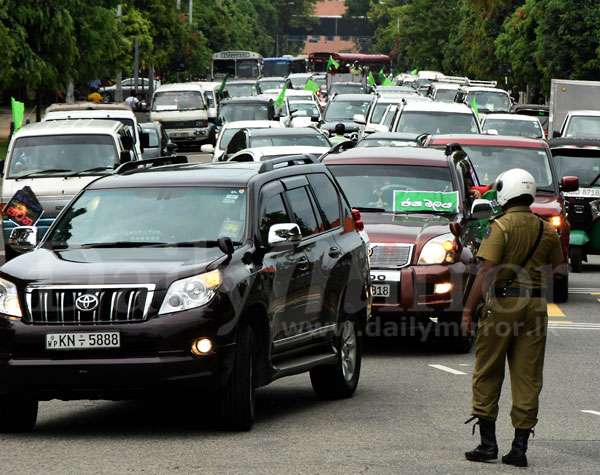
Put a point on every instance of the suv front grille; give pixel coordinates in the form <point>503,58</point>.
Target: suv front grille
<point>105,304</point>
<point>390,256</point>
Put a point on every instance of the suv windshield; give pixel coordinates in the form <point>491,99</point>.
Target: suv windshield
<point>66,153</point>
<point>490,101</point>
<point>305,109</point>
<point>519,128</point>
<point>240,90</point>
<point>584,164</point>
<point>268,84</point>
<point>313,140</point>
<point>244,111</point>
<point>581,127</point>
<point>346,110</point>
<point>489,162</point>
<point>445,95</point>
<point>152,216</point>
<point>373,186</point>
<point>178,101</point>
<point>436,123</point>
<point>347,88</point>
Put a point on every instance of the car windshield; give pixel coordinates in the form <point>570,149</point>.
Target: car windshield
<point>153,137</point>
<point>581,127</point>
<point>490,161</point>
<point>347,88</point>
<point>68,153</point>
<point>371,142</point>
<point>445,95</point>
<point>177,101</point>
<point>520,128</point>
<point>210,98</point>
<point>161,216</point>
<point>241,90</point>
<point>542,115</point>
<point>490,101</point>
<point>373,186</point>
<point>247,68</point>
<point>276,68</point>
<point>584,164</point>
<point>287,140</point>
<point>226,136</point>
<point>436,123</point>
<point>244,111</point>
<point>305,109</point>
<point>346,110</point>
<point>299,82</point>
<point>378,112</point>
<point>266,85</point>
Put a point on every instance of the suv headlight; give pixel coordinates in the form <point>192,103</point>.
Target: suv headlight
<point>9,299</point>
<point>192,292</point>
<point>438,250</point>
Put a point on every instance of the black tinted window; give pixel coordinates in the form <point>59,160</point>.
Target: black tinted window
<point>273,212</point>
<point>327,198</point>
<point>302,211</point>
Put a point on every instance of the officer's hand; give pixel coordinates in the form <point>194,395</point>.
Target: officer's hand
<point>466,324</point>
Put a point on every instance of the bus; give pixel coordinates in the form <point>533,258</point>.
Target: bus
<point>284,65</point>
<point>374,62</point>
<point>236,65</point>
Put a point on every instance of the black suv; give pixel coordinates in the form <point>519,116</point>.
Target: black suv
<point>220,277</point>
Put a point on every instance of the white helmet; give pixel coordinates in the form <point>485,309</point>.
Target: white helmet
<point>514,183</point>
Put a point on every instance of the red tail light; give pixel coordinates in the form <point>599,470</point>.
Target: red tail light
<point>358,222</point>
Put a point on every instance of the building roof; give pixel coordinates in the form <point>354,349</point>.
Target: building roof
<point>330,8</point>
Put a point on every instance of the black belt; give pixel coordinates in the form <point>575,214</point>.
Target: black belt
<point>501,292</point>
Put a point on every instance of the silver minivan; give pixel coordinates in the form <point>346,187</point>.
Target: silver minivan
<point>56,159</point>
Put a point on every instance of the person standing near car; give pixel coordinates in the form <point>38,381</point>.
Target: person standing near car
<point>518,250</point>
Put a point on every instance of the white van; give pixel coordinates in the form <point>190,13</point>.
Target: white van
<point>56,159</point>
<point>182,110</point>
<point>90,110</point>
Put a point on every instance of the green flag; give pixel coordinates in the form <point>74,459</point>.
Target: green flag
<point>311,86</point>
<point>387,82</point>
<point>281,97</point>
<point>18,113</point>
<point>222,86</point>
<point>332,63</point>
<point>371,80</point>
<point>381,76</point>
<point>414,72</point>
<point>474,106</point>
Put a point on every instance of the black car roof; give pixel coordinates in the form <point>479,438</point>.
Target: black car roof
<point>570,142</point>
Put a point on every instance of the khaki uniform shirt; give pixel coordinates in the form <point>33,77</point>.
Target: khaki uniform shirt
<point>509,240</point>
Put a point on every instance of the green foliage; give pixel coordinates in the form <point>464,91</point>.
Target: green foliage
<point>357,7</point>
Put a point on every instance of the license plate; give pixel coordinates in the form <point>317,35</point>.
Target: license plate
<point>381,290</point>
<point>82,341</point>
<point>584,193</point>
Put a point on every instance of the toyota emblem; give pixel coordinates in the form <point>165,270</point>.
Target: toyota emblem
<point>86,303</point>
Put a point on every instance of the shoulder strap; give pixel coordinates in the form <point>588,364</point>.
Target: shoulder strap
<point>535,245</point>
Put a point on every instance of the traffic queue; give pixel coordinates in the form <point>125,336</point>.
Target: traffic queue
<point>338,205</point>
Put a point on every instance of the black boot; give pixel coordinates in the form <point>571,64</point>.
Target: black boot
<point>488,449</point>
<point>517,455</point>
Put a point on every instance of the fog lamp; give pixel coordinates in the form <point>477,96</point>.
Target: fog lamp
<point>442,288</point>
<point>556,221</point>
<point>202,346</point>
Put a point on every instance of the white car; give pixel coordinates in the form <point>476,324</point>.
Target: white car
<point>299,80</point>
<point>436,118</point>
<point>304,113</point>
<point>513,124</point>
<point>581,124</point>
<point>229,129</point>
<point>260,154</point>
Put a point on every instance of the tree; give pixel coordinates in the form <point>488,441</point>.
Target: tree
<point>357,7</point>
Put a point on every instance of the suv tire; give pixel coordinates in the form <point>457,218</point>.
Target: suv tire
<point>17,413</point>
<point>339,380</point>
<point>236,399</point>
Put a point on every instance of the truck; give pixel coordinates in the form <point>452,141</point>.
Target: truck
<point>568,95</point>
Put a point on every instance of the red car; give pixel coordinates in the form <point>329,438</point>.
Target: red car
<point>420,257</point>
<point>492,155</point>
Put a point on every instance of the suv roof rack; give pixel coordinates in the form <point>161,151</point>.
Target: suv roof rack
<point>422,138</point>
<point>138,165</point>
<point>476,83</point>
<point>290,161</point>
<point>453,80</point>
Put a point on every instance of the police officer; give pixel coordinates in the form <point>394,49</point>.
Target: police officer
<point>340,135</point>
<point>516,257</point>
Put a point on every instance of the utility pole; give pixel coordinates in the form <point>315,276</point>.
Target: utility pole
<point>191,7</point>
<point>136,64</point>
<point>178,4</point>
<point>119,90</point>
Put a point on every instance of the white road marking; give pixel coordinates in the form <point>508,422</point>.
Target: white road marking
<point>446,369</point>
<point>584,290</point>
<point>595,413</point>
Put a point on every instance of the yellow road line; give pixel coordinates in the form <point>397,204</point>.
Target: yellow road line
<point>596,294</point>
<point>554,311</point>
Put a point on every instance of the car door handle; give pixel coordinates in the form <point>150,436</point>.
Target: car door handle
<point>302,263</point>
<point>335,252</point>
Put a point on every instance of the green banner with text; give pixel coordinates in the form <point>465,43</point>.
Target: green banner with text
<point>427,201</point>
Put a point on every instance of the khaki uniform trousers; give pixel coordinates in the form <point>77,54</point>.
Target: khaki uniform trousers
<point>514,330</point>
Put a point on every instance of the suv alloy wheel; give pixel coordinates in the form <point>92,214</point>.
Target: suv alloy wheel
<point>339,380</point>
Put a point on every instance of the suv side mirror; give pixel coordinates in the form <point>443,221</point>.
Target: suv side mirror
<point>171,147</point>
<point>23,239</point>
<point>359,119</point>
<point>284,236</point>
<point>482,209</point>
<point>207,148</point>
<point>145,140</point>
<point>125,156</point>
<point>568,184</point>
<point>556,134</point>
